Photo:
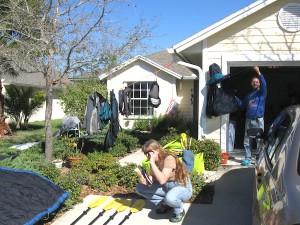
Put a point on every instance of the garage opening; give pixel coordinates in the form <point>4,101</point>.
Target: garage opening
<point>283,87</point>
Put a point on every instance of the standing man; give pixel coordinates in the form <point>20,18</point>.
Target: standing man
<point>254,103</point>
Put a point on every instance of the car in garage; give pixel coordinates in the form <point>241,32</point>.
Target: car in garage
<point>277,186</point>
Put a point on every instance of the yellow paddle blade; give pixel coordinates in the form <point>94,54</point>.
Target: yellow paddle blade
<point>112,204</point>
<point>98,201</point>
<point>125,203</point>
<point>137,206</point>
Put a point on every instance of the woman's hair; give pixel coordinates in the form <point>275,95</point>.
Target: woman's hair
<point>180,173</point>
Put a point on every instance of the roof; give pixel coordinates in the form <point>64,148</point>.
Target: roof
<point>222,24</point>
<point>30,80</point>
<point>164,60</point>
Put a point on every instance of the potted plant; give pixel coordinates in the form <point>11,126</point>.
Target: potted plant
<point>74,150</point>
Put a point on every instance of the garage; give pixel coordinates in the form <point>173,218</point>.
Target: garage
<point>264,34</point>
<point>283,84</point>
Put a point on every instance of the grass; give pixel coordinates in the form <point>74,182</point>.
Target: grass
<point>34,133</point>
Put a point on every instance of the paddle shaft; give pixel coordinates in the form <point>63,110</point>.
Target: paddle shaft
<point>125,218</point>
<point>97,217</point>
<point>79,217</point>
<point>110,218</point>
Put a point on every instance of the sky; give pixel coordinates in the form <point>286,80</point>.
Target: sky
<point>178,20</point>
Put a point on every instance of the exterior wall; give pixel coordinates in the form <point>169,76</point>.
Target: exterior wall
<point>140,71</point>
<point>257,38</point>
<point>185,93</point>
<point>57,112</point>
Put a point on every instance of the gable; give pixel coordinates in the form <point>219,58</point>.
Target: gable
<point>252,30</point>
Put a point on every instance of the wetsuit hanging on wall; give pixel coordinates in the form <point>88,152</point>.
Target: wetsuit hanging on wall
<point>125,101</point>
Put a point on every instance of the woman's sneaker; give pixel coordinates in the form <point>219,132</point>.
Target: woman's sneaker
<point>177,218</point>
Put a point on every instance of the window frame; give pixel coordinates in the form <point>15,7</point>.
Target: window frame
<point>138,95</point>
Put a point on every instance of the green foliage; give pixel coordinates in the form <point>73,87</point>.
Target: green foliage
<point>102,172</point>
<point>74,98</point>
<point>32,159</point>
<point>69,182</point>
<point>212,154</point>
<point>124,144</point>
<point>198,182</point>
<point>22,102</point>
<point>171,136</point>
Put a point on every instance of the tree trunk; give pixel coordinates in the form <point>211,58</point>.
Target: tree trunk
<point>1,100</point>
<point>48,115</point>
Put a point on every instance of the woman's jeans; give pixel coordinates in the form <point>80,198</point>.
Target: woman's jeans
<point>252,123</point>
<point>171,192</point>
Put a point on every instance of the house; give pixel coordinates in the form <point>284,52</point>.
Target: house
<point>176,85</point>
<point>36,81</point>
<point>265,33</point>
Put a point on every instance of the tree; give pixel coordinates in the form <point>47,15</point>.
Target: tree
<point>61,37</point>
<point>74,97</point>
<point>22,102</point>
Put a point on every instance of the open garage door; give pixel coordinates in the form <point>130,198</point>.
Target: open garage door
<point>283,84</point>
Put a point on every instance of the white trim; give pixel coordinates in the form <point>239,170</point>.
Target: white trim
<point>222,24</point>
<point>259,60</point>
<point>142,58</point>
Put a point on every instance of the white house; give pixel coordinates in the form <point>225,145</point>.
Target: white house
<point>265,33</point>
<point>176,83</point>
<point>36,81</point>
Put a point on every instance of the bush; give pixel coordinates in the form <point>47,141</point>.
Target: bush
<point>198,182</point>
<point>102,172</point>
<point>124,144</point>
<point>212,154</point>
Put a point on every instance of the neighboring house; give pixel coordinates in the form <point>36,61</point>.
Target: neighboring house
<point>176,83</point>
<point>36,81</point>
<point>265,33</point>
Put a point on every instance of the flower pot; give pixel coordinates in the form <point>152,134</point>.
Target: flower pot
<point>57,163</point>
<point>224,157</point>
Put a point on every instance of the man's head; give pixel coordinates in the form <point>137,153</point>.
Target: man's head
<point>255,84</point>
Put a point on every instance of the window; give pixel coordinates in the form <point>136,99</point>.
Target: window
<point>139,99</point>
<point>277,132</point>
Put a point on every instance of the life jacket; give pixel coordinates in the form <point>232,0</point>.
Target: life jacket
<point>154,99</point>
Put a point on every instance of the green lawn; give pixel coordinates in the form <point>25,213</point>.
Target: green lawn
<point>34,133</point>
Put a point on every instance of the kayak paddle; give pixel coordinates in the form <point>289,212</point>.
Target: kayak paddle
<point>124,205</point>
<point>94,204</point>
<point>136,207</point>
<point>112,204</point>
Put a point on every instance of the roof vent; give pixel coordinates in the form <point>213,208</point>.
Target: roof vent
<point>289,17</point>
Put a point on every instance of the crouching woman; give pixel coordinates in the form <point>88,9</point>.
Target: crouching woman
<point>171,185</point>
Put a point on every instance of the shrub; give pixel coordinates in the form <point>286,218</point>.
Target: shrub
<point>124,144</point>
<point>198,182</point>
<point>212,154</point>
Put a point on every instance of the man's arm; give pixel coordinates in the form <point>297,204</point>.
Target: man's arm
<point>263,83</point>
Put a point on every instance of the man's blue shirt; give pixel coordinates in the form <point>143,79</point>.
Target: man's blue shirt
<point>255,101</point>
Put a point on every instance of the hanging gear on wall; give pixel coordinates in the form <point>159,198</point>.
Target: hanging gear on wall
<point>154,99</point>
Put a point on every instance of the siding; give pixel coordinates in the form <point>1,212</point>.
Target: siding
<point>257,34</point>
